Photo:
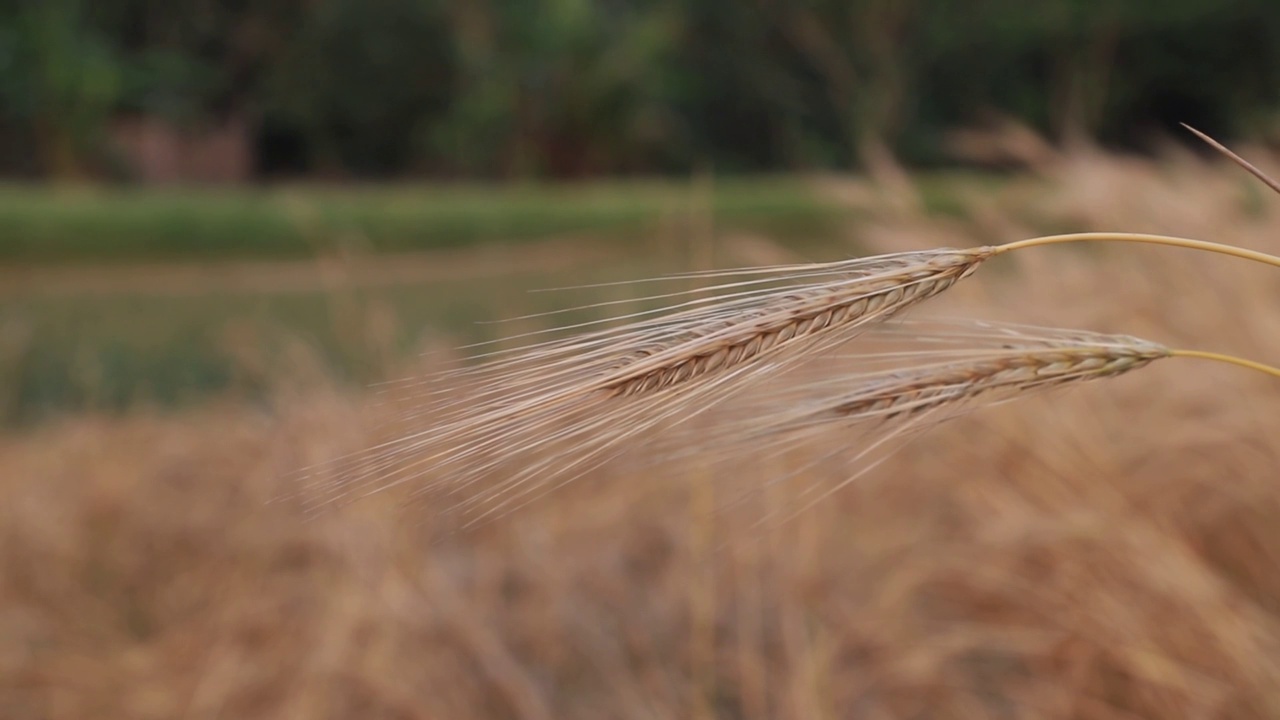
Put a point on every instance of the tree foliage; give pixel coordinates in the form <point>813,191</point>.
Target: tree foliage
<point>509,88</point>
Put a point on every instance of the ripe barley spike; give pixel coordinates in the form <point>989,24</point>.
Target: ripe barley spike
<point>529,420</point>
<point>937,370</point>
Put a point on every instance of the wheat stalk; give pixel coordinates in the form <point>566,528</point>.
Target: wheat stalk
<point>742,322</point>
<point>875,290</point>
<point>548,412</point>
<point>524,406</point>
<point>962,364</point>
<point>958,367</point>
<point>1019,371</point>
<point>557,409</point>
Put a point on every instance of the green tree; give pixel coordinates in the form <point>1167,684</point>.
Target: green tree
<point>60,79</point>
<point>566,87</point>
<point>361,81</point>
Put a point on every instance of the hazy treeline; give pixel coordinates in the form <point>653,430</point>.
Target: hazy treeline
<point>484,88</point>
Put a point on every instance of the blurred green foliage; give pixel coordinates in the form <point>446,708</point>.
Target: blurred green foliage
<point>144,339</point>
<point>120,225</point>
<point>571,88</point>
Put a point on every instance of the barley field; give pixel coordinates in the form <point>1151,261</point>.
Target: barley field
<point>1107,550</point>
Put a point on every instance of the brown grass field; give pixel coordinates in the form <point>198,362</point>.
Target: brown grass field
<point>1109,551</point>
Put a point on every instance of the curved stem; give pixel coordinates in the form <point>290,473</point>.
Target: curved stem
<point>1229,359</point>
<point>1166,240</point>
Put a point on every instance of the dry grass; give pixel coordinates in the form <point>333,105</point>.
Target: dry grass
<point>1104,553</point>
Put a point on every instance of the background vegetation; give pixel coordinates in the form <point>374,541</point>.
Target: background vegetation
<point>221,220</point>
<point>574,88</point>
<point>1103,553</point>
<point>251,138</point>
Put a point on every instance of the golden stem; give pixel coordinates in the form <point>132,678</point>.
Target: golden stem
<point>1229,359</point>
<point>1166,240</point>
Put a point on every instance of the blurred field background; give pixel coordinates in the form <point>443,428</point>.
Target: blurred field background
<point>222,222</point>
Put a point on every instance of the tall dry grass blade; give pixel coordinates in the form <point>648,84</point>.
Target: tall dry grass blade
<point>1231,155</point>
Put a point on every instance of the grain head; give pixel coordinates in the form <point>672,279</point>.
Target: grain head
<point>521,421</point>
